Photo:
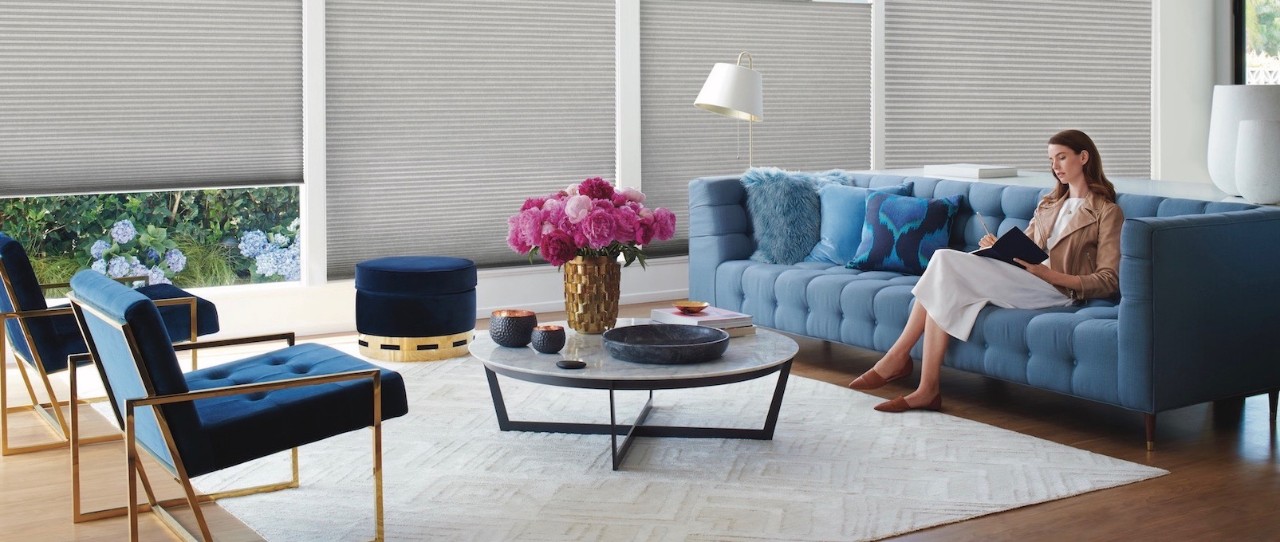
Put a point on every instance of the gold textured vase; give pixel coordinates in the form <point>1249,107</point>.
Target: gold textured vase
<point>591,287</point>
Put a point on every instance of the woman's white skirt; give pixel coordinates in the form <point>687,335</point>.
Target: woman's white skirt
<point>956,286</point>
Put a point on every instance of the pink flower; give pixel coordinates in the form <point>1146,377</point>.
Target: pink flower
<point>533,203</point>
<point>577,207</point>
<point>664,224</point>
<point>625,224</point>
<point>602,204</point>
<point>558,248</point>
<point>571,190</point>
<point>515,238</point>
<point>596,188</point>
<point>632,194</point>
<point>599,228</point>
<point>619,200</point>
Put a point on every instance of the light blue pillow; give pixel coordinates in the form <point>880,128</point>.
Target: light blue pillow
<point>784,209</point>
<point>901,233</point>
<point>844,208</point>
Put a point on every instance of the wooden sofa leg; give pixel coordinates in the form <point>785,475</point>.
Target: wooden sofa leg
<point>1150,420</point>
<point>1273,395</point>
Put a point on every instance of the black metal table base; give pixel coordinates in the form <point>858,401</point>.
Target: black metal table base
<point>637,428</point>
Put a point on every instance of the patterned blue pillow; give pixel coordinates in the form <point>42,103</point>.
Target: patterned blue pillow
<point>901,233</point>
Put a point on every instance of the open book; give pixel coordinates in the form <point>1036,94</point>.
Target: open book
<point>1014,244</point>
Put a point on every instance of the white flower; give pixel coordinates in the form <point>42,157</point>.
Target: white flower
<point>577,207</point>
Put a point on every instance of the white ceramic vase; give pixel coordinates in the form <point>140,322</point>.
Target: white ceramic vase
<point>1232,104</point>
<point>1258,161</point>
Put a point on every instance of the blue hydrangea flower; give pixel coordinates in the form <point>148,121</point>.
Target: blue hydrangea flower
<point>279,240</point>
<point>253,243</point>
<point>293,226</point>
<point>117,267</point>
<point>100,266</point>
<point>156,276</point>
<point>136,267</point>
<point>175,260</point>
<point>151,257</point>
<point>123,231</point>
<point>99,248</point>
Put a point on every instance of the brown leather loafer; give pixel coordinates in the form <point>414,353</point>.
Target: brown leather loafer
<point>899,404</point>
<point>871,380</point>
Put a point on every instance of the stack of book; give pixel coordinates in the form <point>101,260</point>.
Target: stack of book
<point>735,323</point>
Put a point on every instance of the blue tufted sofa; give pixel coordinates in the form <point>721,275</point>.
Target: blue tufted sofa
<point>1196,319</point>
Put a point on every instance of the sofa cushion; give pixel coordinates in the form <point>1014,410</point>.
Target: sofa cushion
<point>844,208</point>
<point>901,233</point>
<point>785,211</point>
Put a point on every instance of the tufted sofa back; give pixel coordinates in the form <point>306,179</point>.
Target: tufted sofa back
<point>1012,206</point>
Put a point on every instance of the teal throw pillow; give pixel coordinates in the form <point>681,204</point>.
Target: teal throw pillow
<point>784,209</point>
<point>844,208</point>
<point>901,233</point>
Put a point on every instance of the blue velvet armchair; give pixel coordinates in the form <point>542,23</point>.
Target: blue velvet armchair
<point>47,339</point>
<point>224,415</point>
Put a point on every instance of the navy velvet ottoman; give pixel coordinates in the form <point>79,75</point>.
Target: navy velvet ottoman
<point>415,308</point>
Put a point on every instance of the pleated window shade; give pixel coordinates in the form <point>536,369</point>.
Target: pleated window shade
<point>989,81</point>
<point>816,62</point>
<point>121,96</point>
<point>444,116</point>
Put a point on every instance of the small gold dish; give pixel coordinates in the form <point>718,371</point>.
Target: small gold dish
<point>691,307</point>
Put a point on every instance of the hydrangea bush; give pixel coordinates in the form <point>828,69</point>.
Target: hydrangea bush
<point>591,218</point>
<point>127,252</point>
<point>274,254</point>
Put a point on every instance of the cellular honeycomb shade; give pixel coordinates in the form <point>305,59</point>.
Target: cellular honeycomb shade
<point>121,96</point>
<point>816,62</point>
<point>976,81</point>
<point>444,116</point>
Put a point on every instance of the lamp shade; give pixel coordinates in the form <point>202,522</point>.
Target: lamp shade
<point>1258,161</point>
<point>733,91</point>
<point>1232,104</point>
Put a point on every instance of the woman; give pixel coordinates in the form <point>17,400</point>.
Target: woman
<point>1078,225</point>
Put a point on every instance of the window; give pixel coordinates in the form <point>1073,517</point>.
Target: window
<point>444,116</point>
<point>111,97</point>
<point>977,81</point>
<point>1261,26</point>
<point>816,62</point>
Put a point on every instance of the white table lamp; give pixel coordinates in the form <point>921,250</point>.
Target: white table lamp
<point>736,91</point>
<point>1232,104</point>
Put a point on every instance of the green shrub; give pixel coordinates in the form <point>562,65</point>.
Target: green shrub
<point>207,265</point>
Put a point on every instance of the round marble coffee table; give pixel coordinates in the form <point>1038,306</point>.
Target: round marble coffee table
<point>753,356</point>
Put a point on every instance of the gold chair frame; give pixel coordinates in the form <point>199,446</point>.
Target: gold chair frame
<point>51,412</point>
<point>178,471</point>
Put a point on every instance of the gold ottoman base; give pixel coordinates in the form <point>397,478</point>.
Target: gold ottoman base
<point>415,348</point>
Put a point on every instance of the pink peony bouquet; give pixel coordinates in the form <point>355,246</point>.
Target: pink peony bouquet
<point>588,219</point>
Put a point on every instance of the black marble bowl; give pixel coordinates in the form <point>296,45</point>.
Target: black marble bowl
<point>512,328</point>
<point>666,344</point>
<point>548,339</point>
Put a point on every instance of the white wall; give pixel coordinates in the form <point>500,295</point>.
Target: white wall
<point>1191,52</point>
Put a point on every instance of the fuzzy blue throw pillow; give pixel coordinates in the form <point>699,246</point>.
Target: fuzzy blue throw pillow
<point>784,209</point>
<point>844,209</point>
<point>901,233</point>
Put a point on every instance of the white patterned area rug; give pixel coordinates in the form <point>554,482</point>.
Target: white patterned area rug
<point>835,469</point>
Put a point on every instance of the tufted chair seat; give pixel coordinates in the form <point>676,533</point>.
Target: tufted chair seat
<point>242,427</point>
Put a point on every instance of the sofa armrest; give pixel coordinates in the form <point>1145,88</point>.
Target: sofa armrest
<point>1200,298</point>
<point>719,231</point>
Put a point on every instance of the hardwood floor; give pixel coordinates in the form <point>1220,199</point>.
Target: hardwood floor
<point>1223,458</point>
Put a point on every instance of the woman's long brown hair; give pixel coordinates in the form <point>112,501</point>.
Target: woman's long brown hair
<point>1097,180</point>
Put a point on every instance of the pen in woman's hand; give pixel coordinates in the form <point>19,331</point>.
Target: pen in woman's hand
<point>988,239</point>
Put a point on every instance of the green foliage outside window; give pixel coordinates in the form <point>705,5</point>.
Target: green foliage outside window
<point>206,226</point>
<point>1262,26</point>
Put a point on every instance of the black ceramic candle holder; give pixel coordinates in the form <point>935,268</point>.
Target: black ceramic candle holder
<point>512,328</point>
<point>548,339</point>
